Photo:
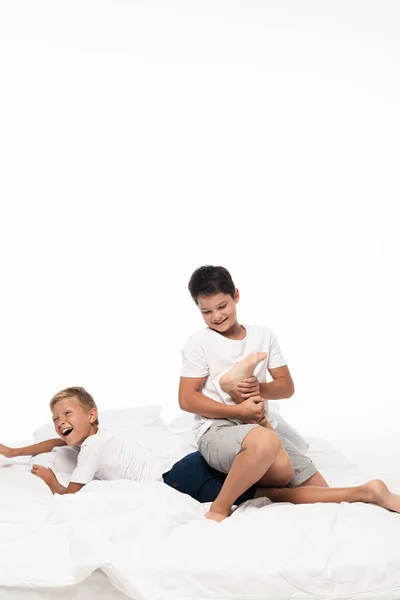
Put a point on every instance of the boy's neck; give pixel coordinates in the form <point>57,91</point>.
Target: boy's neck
<point>236,332</point>
<point>93,430</point>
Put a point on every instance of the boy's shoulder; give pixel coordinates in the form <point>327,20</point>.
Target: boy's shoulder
<point>200,336</point>
<point>259,334</point>
<point>258,329</point>
<point>255,327</point>
<point>99,438</point>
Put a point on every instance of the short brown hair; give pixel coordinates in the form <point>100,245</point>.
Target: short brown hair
<point>84,398</point>
<point>209,280</point>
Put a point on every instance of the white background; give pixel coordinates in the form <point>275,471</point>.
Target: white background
<point>140,140</point>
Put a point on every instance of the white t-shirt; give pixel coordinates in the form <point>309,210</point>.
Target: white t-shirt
<point>208,353</point>
<point>105,455</point>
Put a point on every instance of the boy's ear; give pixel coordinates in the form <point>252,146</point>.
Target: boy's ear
<point>236,296</point>
<point>93,414</point>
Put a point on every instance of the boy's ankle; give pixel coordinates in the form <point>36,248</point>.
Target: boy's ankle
<point>218,508</point>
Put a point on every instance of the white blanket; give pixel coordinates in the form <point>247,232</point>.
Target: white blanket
<point>153,542</point>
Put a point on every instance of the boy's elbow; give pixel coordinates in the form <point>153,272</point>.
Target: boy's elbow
<point>182,402</point>
<point>186,403</point>
<point>287,388</point>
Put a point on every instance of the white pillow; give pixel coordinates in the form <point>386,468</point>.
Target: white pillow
<point>183,422</point>
<point>119,420</point>
<point>62,459</point>
<point>183,425</point>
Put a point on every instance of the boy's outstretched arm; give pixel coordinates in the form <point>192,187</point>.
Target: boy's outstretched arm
<point>32,449</point>
<point>48,477</point>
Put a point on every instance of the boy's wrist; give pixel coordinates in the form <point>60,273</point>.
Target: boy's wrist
<point>56,487</point>
<point>234,411</point>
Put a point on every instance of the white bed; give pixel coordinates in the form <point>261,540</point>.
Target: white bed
<point>149,542</point>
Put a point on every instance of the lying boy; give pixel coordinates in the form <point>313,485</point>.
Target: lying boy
<point>102,455</point>
<point>223,382</point>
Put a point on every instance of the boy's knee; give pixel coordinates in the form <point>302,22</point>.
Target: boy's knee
<point>262,442</point>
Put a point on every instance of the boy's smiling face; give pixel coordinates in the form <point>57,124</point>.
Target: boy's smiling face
<point>73,423</point>
<point>219,311</point>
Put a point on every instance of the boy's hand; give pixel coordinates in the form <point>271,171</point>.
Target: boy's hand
<point>249,387</point>
<point>252,410</point>
<point>6,451</point>
<point>44,473</point>
<point>48,477</point>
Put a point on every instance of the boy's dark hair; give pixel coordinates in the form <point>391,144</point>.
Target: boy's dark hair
<point>209,280</point>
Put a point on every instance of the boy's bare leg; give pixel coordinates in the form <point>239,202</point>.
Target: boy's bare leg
<point>263,459</point>
<point>315,480</point>
<point>244,368</point>
<point>373,492</point>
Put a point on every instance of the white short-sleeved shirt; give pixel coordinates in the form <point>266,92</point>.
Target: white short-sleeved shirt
<point>105,455</point>
<point>210,354</point>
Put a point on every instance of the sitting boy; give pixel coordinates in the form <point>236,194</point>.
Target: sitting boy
<point>223,382</point>
<point>102,455</point>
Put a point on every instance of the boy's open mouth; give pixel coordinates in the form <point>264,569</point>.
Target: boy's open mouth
<point>66,431</point>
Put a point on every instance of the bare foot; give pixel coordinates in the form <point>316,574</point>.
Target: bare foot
<point>216,516</point>
<point>242,369</point>
<point>379,494</point>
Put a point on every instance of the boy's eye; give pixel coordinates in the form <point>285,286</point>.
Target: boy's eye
<point>56,419</point>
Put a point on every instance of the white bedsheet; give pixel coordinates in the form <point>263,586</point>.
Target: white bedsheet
<point>153,542</point>
<point>95,587</point>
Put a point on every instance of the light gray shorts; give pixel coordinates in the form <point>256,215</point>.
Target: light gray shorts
<point>220,444</point>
